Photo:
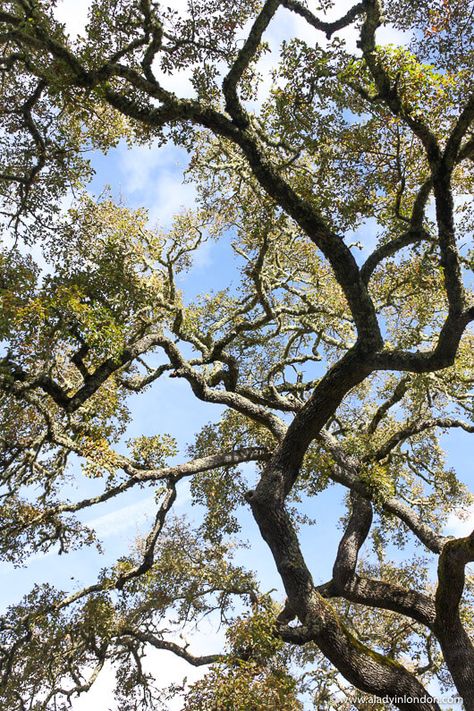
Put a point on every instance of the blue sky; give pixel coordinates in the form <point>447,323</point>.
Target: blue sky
<point>153,177</point>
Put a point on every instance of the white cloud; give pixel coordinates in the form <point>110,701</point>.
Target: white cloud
<point>167,669</point>
<point>155,174</point>
<point>73,13</point>
<point>390,35</point>
<point>203,258</point>
<point>171,196</point>
<point>178,83</point>
<point>461,524</point>
<point>101,694</point>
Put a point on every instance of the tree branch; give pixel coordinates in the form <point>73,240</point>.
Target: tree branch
<point>348,584</point>
<point>158,643</point>
<point>386,90</point>
<point>329,28</point>
<point>150,543</point>
<point>244,57</point>
<point>347,472</point>
<point>355,533</point>
<point>441,356</point>
<point>414,428</point>
<point>456,645</point>
<point>361,666</point>
<point>397,395</point>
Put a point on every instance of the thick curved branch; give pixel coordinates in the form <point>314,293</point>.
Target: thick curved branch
<point>456,645</point>
<point>355,534</point>
<point>329,28</point>
<point>154,35</point>
<point>413,235</point>
<point>351,370</point>
<point>385,596</point>
<point>332,246</point>
<point>416,233</point>
<point>347,472</point>
<point>348,584</point>
<point>361,666</point>
<point>244,58</point>
<point>450,261</point>
<point>388,249</point>
<point>138,474</point>
<point>456,554</point>
<point>441,356</point>
<point>441,164</point>
<point>27,180</point>
<point>294,635</point>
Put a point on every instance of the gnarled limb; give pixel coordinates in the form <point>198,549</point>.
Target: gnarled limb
<point>457,647</point>
<point>366,669</point>
<point>441,356</point>
<point>244,58</point>
<point>329,28</point>
<point>346,583</point>
<point>355,533</point>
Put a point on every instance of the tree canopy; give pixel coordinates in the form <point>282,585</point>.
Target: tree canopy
<point>330,364</point>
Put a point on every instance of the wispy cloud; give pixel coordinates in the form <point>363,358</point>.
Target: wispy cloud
<point>155,175</point>
<point>123,519</point>
<point>134,515</point>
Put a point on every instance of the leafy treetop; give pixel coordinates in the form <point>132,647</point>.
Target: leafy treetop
<point>328,366</point>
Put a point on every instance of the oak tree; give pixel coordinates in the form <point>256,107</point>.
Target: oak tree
<point>329,364</point>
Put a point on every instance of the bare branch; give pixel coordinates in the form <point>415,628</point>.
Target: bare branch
<point>149,550</point>
<point>414,428</point>
<point>397,395</point>
<point>158,643</point>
